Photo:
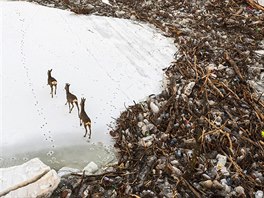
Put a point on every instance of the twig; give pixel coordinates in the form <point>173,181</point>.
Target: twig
<point>230,90</point>
<point>255,5</point>
<point>215,88</point>
<point>195,192</point>
<point>219,130</point>
<point>234,65</point>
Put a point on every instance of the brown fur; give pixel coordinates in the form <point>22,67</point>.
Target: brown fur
<point>52,82</point>
<point>85,119</point>
<point>71,99</point>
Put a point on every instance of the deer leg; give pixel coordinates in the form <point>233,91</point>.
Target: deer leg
<point>51,92</point>
<point>71,107</point>
<point>55,89</point>
<point>80,122</point>
<point>90,131</point>
<point>85,130</point>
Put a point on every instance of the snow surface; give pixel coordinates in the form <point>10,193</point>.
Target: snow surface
<point>109,61</point>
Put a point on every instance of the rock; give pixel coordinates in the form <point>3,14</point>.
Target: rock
<point>221,164</point>
<point>226,188</point>
<point>223,181</point>
<point>89,7</point>
<point>260,52</point>
<point>133,17</point>
<point>218,121</point>
<point>221,67</point>
<point>207,184</point>
<point>91,168</point>
<point>43,187</point>
<point>164,136</point>
<point>67,170</point>
<point>240,190</point>
<point>188,88</point>
<point>148,144</point>
<point>175,162</point>
<point>147,141</point>
<point>176,171</point>
<point>129,145</point>
<point>106,2</point>
<point>154,108</point>
<point>140,117</point>
<point>230,71</point>
<point>148,3</point>
<point>211,67</point>
<point>144,129</point>
<point>221,160</point>
<point>140,124</point>
<point>146,121</point>
<point>206,176</point>
<point>224,171</point>
<point>148,138</point>
<point>120,13</point>
<point>259,194</point>
<point>211,102</point>
<point>150,126</point>
<point>14,177</point>
<point>217,185</point>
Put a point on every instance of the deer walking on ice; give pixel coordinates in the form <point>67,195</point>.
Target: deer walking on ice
<point>52,82</point>
<point>84,119</point>
<point>71,99</point>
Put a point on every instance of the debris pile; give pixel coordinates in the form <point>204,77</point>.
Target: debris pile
<point>203,134</point>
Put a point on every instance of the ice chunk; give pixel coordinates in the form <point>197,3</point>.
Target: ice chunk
<point>40,188</point>
<point>17,176</point>
<point>91,168</point>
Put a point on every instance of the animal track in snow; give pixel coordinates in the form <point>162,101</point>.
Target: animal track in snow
<point>37,106</point>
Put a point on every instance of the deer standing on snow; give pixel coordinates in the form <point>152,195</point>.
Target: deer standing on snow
<point>52,82</point>
<point>71,99</point>
<point>85,119</point>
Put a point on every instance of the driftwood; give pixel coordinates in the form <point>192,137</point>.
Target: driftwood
<point>254,4</point>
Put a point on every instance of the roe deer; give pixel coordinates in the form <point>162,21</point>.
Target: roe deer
<point>71,98</point>
<point>52,82</point>
<point>84,118</point>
